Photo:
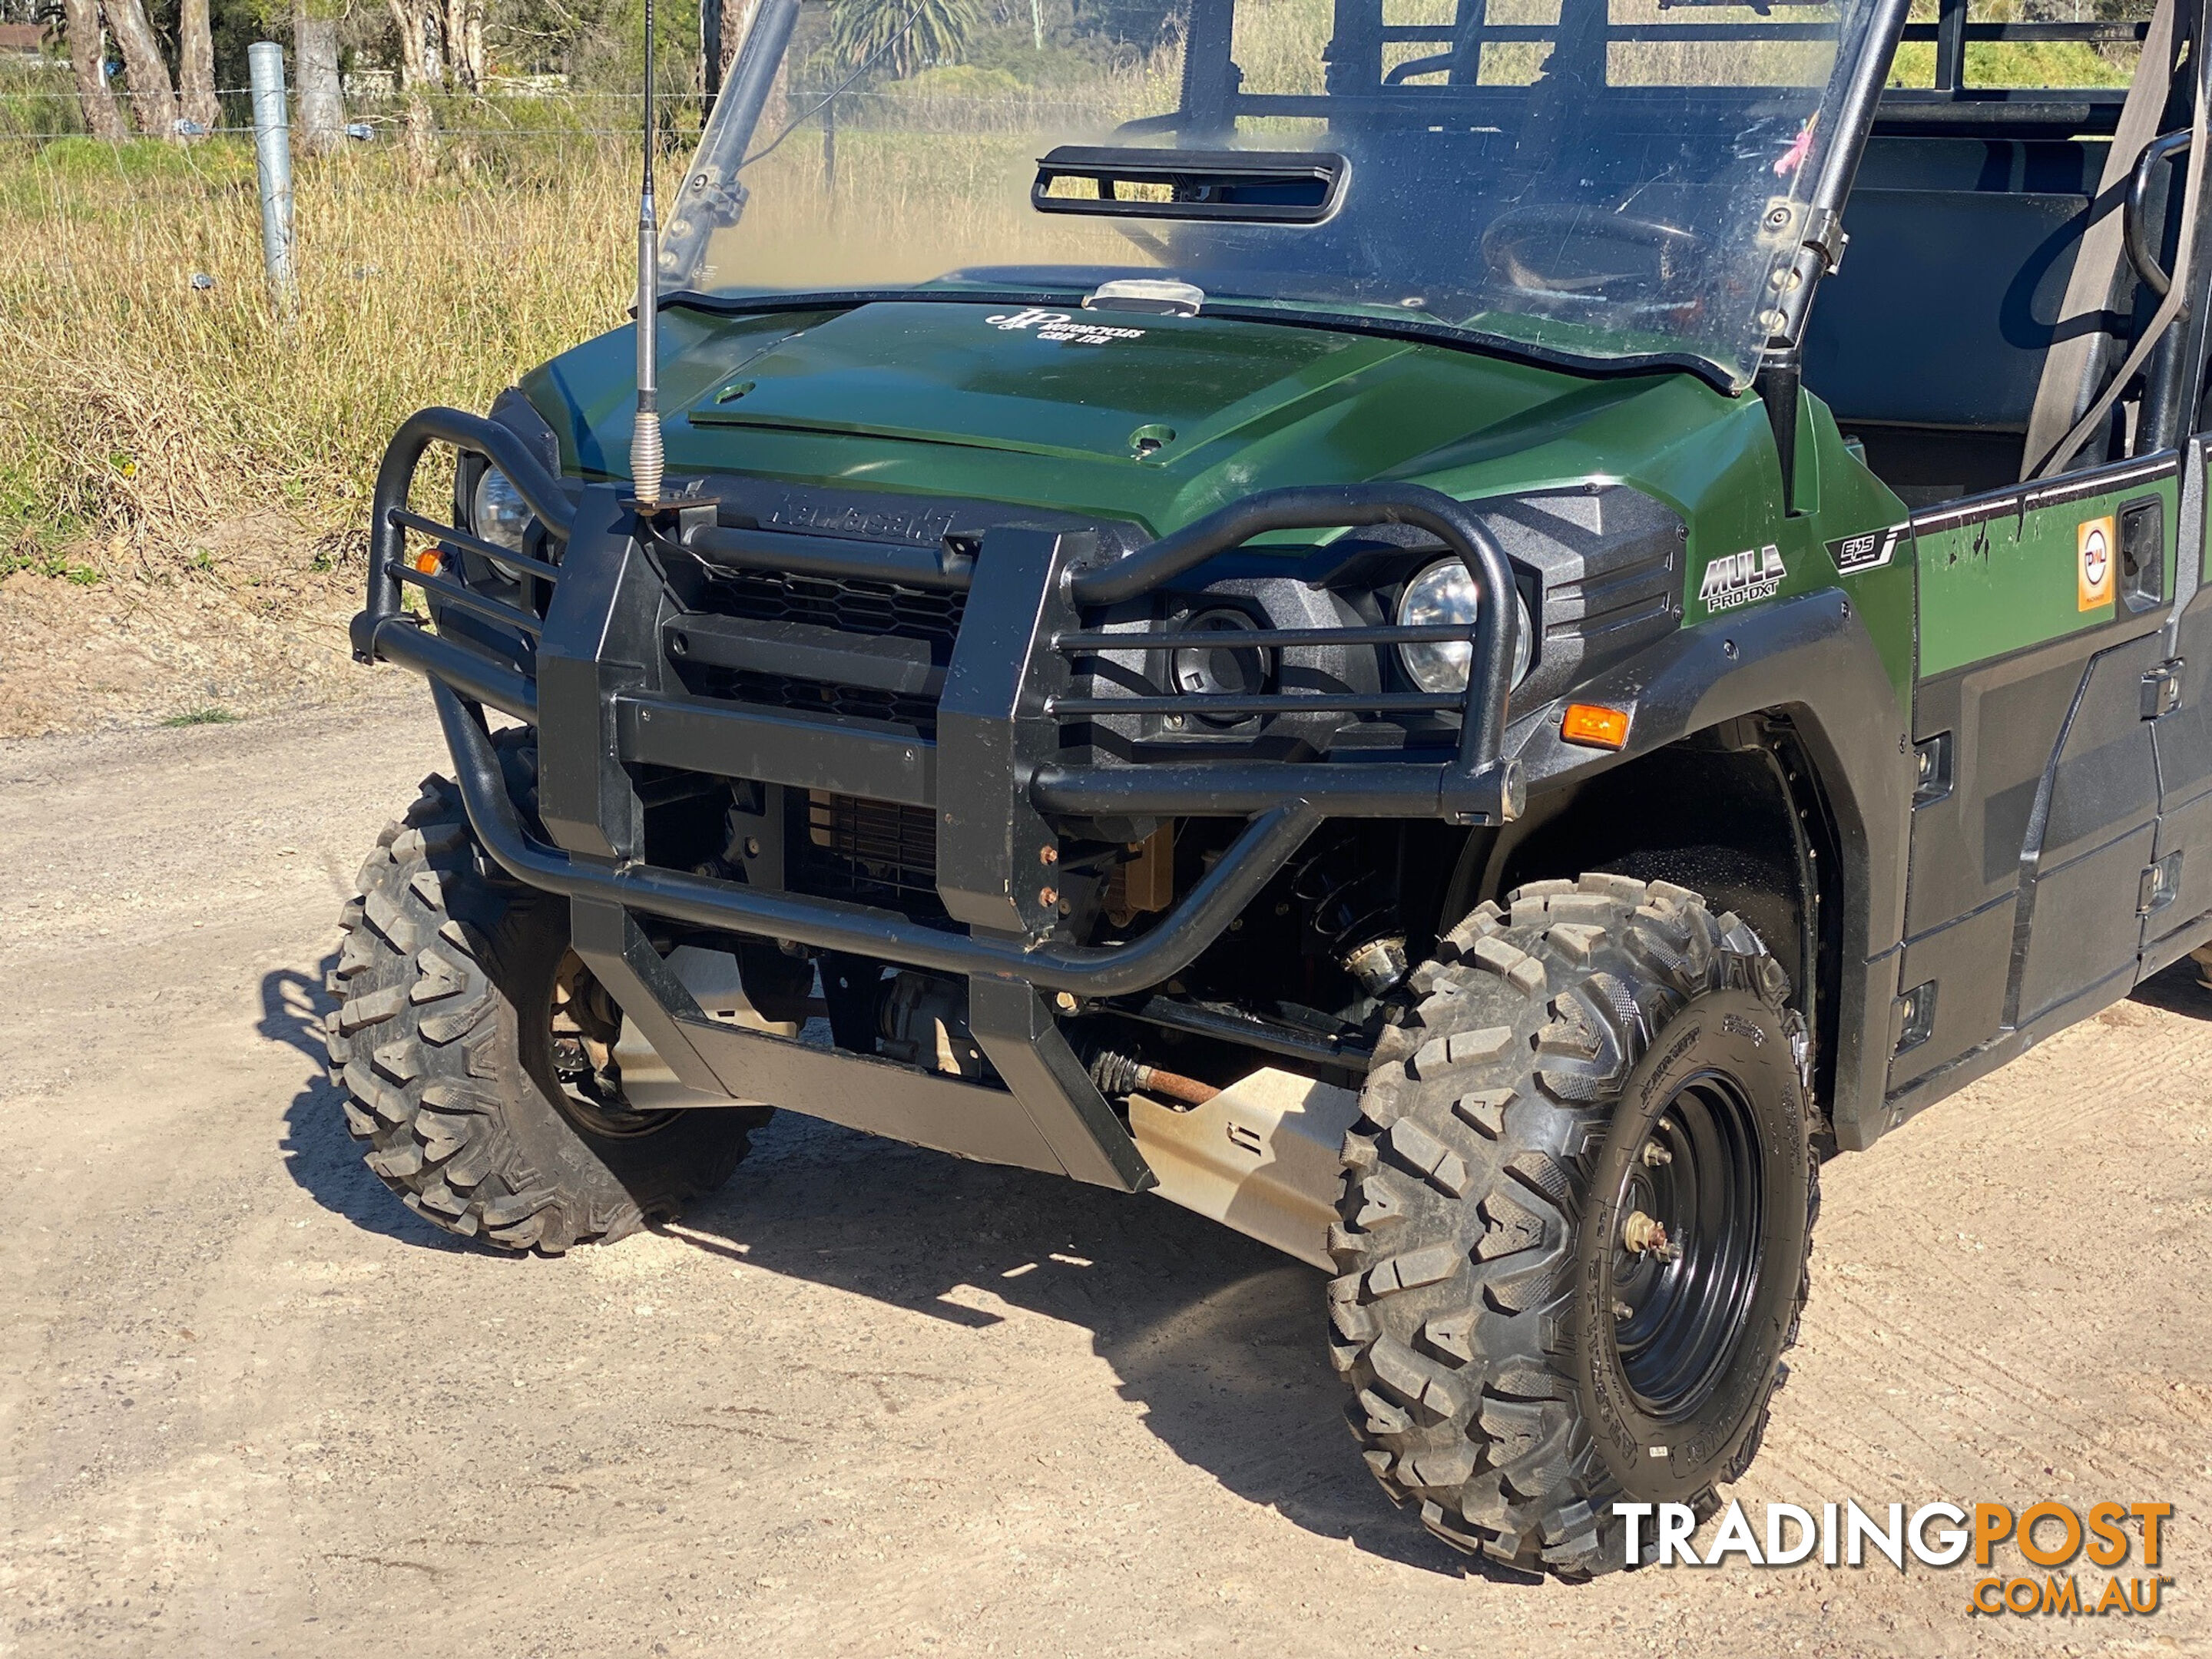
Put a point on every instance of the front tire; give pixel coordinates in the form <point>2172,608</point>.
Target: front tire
<point>1575,1221</point>
<point>471,1044</point>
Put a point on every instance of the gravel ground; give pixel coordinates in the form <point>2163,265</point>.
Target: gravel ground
<point>868,1400</point>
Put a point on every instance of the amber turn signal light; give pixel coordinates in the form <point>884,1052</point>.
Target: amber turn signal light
<point>1597,727</point>
<point>428,561</point>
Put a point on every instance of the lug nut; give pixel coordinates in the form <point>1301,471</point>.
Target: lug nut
<point>1641,1235</point>
<point>1655,1155</point>
<point>1622,1310</point>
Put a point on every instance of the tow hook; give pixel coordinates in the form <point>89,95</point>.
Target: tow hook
<point>1640,1235</point>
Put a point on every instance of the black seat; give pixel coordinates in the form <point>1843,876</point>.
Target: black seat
<point>1928,342</point>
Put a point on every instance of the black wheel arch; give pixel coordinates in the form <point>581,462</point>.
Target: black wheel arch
<point>1771,746</point>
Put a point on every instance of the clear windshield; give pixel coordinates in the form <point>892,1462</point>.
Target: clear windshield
<point>1608,179</point>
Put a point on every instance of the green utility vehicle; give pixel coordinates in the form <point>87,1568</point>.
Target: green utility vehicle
<point>1380,634</point>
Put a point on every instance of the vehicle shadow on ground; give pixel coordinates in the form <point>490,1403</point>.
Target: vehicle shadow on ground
<point>1221,1339</point>
<point>2180,989</point>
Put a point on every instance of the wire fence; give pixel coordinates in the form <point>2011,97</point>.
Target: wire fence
<point>526,111</point>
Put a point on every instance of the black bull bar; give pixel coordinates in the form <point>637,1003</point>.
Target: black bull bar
<point>993,776</point>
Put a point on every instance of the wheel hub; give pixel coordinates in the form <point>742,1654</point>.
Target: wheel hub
<point>585,1025</point>
<point>1686,1257</point>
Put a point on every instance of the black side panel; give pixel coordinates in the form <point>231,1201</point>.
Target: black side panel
<point>1968,962</point>
<point>2078,922</point>
<point>2004,719</point>
<point>2081,927</point>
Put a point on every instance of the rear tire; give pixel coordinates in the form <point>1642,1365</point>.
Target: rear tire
<point>443,1040</point>
<point>1609,1050</point>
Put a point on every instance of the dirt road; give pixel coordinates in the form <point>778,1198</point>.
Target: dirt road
<point>871,1400</point>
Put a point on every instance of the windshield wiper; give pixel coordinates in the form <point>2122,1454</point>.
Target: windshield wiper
<point>1279,187</point>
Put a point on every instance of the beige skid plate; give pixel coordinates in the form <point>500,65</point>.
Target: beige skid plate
<point>1260,1157</point>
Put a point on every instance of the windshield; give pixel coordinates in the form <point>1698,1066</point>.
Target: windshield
<point>1606,179</point>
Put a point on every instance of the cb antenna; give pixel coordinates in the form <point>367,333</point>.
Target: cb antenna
<point>645,450</point>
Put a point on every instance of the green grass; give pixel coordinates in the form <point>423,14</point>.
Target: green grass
<point>208,716</point>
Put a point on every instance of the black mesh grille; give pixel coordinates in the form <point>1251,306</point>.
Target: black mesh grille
<point>814,696</point>
<point>849,606</point>
<point>866,610</point>
<point>874,852</point>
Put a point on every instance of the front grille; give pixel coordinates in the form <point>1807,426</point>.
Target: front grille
<point>813,696</point>
<point>850,605</point>
<point>872,852</point>
<point>866,610</point>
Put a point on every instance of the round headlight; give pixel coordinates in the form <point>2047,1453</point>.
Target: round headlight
<point>498,513</point>
<point>1444,593</point>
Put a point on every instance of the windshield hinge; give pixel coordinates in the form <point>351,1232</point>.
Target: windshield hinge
<point>1826,236</point>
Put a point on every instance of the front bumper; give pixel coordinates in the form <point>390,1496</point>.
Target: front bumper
<point>580,645</point>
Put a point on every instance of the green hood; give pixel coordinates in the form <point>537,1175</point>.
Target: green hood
<point>1159,419</point>
<point>986,403</point>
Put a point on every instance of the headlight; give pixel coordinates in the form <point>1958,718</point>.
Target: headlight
<point>1444,593</point>
<point>498,513</point>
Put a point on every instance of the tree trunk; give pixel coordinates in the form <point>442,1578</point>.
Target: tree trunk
<point>102,119</point>
<point>421,141</point>
<point>710,48</point>
<point>196,64</point>
<point>152,98</point>
<point>458,69</point>
<point>407,18</point>
<point>315,67</point>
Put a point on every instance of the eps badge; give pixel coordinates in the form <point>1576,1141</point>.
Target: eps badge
<point>2093,569</point>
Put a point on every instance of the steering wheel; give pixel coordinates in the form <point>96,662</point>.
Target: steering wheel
<point>1586,258</point>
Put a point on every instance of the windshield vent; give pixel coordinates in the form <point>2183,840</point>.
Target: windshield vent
<point>1281,187</point>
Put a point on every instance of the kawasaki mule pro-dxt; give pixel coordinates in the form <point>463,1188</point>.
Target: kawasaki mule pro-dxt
<point>1388,642</point>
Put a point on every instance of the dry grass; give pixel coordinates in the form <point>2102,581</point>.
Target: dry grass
<point>146,410</point>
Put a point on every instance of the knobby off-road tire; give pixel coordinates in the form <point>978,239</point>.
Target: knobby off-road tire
<point>443,1043</point>
<point>1502,1147</point>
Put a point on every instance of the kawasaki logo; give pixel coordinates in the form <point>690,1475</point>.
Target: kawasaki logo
<point>1742,578</point>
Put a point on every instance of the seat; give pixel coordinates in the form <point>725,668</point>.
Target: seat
<point>1930,342</point>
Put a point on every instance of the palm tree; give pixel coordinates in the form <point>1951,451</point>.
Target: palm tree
<point>902,35</point>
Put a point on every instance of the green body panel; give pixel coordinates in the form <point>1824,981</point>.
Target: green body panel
<point>1997,586</point>
<point>938,399</point>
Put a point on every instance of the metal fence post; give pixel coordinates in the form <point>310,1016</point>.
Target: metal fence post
<point>272,157</point>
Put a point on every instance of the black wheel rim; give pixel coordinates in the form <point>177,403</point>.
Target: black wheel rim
<point>1681,1309</point>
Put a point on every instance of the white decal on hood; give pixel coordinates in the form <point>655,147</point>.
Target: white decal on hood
<point>1059,325</point>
